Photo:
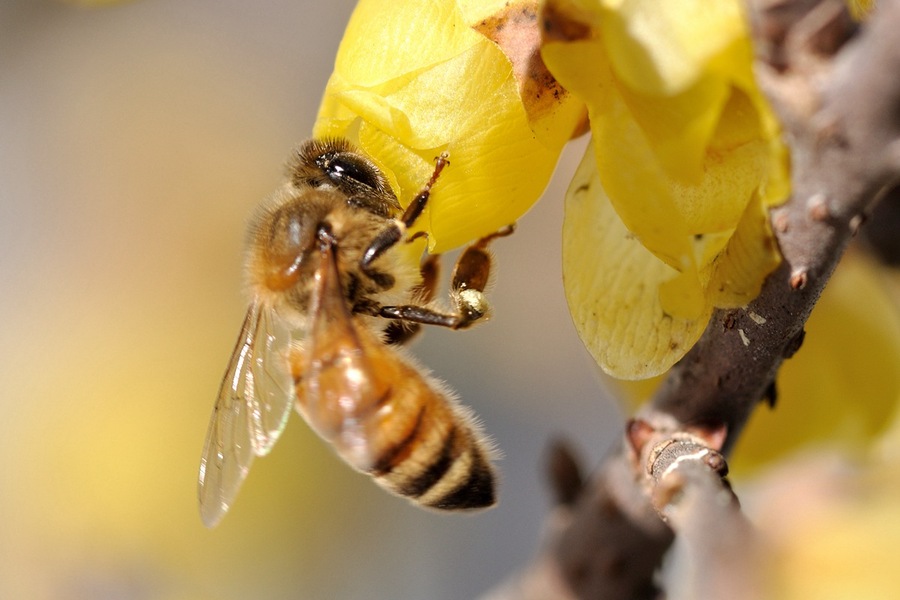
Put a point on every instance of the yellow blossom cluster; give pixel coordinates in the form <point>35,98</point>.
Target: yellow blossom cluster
<point>666,219</point>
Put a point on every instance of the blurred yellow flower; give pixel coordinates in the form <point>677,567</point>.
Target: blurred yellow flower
<point>666,218</point>
<point>447,82</point>
<point>831,526</point>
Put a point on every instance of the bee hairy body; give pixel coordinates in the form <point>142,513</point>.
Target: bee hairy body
<point>327,279</point>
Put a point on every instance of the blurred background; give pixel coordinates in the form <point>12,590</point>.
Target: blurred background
<point>134,142</point>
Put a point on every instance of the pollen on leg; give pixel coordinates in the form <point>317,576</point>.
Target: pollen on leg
<point>473,304</point>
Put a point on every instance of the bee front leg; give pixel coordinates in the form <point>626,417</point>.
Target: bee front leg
<point>396,231</point>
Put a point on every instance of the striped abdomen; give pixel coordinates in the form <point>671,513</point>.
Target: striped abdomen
<point>388,419</point>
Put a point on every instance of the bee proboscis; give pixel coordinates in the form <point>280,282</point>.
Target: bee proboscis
<point>331,299</point>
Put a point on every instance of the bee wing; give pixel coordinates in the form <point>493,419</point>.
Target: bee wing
<point>273,389</point>
<point>250,412</point>
<point>339,385</point>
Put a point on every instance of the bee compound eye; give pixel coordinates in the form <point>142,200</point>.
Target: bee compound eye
<point>346,169</point>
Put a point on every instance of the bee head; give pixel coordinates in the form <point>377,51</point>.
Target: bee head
<point>335,163</point>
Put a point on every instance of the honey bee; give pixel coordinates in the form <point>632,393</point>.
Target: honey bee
<point>331,299</point>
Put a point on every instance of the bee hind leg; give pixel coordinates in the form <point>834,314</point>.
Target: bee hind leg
<point>470,278</point>
<point>468,282</point>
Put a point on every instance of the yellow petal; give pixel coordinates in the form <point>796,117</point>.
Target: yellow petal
<point>736,274</point>
<point>689,156</point>
<point>385,40</point>
<point>632,178</point>
<point>613,287</point>
<point>844,549</point>
<point>665,47</point>
<point>678,127</point>
<point>440,85</point>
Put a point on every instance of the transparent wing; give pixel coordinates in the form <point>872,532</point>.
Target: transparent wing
<point>250,412</point>
<point>271,381</point>
<point>340,389</point>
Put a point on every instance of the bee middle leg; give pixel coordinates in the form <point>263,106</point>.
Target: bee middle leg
<point>399,332</point>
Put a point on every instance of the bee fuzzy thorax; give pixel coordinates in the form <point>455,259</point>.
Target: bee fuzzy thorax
<point>282,243</point>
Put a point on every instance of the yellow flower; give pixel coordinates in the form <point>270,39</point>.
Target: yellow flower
<point>666,218</point>
<point>413,79</point>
